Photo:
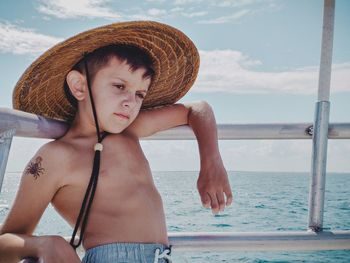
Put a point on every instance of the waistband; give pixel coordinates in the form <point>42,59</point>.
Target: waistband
<point>129,252</point>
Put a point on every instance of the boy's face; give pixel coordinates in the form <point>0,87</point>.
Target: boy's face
<point>118,94</point>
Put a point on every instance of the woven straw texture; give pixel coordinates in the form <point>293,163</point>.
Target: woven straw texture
<point>40,90</point>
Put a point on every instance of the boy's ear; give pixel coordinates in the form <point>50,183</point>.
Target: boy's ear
<point>77,84</point>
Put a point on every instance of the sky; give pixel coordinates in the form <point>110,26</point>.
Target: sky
<point>259,64</point>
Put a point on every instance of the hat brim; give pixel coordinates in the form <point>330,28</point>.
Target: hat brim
<point>40,90</point>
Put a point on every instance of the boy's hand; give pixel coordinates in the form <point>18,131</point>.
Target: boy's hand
<point>56,249</point>
<point>213,185</point>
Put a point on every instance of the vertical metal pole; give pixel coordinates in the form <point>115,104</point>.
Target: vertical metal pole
<point>320,136</point>
<point>5,145</point>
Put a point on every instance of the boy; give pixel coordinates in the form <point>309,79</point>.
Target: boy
<point>127,66</point>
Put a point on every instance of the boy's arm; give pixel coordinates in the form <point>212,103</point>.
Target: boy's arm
<point>37,187</point>
<point>213,184</point>
<point>52,249</point>
<point>39,183</point>
<point>213,181</point>
<point>14,247</point>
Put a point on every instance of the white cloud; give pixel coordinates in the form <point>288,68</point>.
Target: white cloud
<point>195,14</point>
<point>226,19</point>
<point>234,3</point>
<point>281,155</point>
<point>221,70</point>
<point>17,40</point>
<point>235,7</point>
<point>157,12</point>
<point>142,16</point>
<point>176,9</point>
<point>66,9</point>
<point>186,2</point>
<point>74,9</point>
<point>231,71</point>
<point>238,155</point>
<point>247,155</point>
<point>156,1</point>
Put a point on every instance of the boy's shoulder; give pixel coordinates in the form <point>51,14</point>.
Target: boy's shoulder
<point>51,156</point>
<point>54,148</point>
<point>41,179</point>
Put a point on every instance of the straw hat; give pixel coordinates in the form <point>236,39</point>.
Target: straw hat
<point>40,90</point>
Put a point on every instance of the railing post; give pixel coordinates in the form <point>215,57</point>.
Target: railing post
<point>320,136</point>
<point>5,145</point>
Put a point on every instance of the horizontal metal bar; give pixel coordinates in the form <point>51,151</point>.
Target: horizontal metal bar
<point>252,241</point>
<point>264,241</point>
<point>257,241</point>
<point>272,131</point>
<point>30,125</point>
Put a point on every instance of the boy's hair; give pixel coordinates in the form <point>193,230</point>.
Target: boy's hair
<point>135,57</point>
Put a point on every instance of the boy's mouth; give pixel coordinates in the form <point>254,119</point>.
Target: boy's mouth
<point>123,116</point>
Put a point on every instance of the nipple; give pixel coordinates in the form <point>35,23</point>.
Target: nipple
<point>98,147</point>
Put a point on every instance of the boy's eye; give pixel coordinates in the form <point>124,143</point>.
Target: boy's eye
<point>118,86</point>
<point>140,95</point>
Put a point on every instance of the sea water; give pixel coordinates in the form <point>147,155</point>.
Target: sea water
<point>263,201</point>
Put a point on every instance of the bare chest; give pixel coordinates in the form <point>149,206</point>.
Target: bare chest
<point>124,175</point>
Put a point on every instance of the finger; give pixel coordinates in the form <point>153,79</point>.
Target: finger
<point>221,200</point>
<point>205,198</point>
<point>229,196</point>
<point>214,203</point>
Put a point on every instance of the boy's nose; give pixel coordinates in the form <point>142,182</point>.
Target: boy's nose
<point>129,100</point>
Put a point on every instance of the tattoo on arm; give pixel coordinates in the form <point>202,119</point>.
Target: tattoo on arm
<point>34,168</point>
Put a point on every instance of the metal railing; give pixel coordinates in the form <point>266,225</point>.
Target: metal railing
<point>18,123</point>
<point>30,125</point>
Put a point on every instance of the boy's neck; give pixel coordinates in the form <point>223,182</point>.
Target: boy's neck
<point>82,127</point>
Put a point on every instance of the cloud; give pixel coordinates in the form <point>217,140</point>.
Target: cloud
<point>247,155</point>
<point>74,9</point>
<point>195,14</point>
<point>96,8</point>
<point>157,14</point>
<point>186,2</point>
<point>281,155</point>
<point>237,3</point>
<point>220,71</point>
<point>17,40</point>
<point>232,71</point>
<point>154,12</point>
<point>238,155</point>
<point>233,7</point>
<point>226,19</point>
<point>156,1</point>
<point>67,9</point>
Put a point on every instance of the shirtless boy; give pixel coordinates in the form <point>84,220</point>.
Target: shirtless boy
<point>138,66</point>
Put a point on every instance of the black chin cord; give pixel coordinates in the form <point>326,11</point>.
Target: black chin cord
<point>91,189</point>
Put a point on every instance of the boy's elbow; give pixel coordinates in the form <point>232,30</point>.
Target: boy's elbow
<point>205,105</point>
<point>202,103</point>
<point>202,107</point>
<point>199,106</point>
<point>198,110</point>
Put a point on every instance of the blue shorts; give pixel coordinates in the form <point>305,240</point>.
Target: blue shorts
<point>128,253</point>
